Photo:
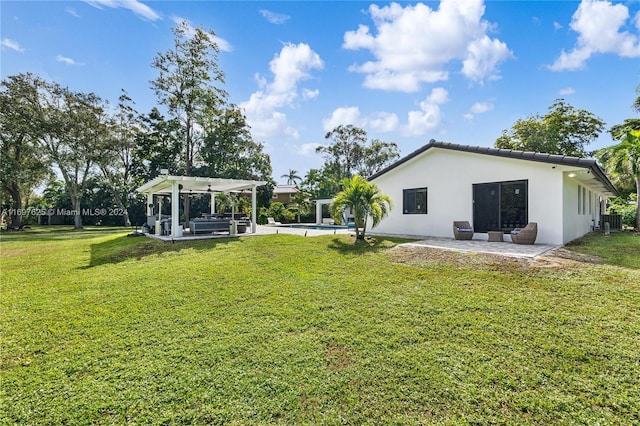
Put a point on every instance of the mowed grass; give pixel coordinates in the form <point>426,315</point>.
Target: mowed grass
<point>100,328</point>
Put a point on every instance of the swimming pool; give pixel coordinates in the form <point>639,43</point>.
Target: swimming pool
<point>313,226</point>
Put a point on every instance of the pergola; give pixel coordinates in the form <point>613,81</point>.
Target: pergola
<point>173,186</point>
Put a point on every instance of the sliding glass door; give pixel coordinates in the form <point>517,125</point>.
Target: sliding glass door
<point>500,206</point>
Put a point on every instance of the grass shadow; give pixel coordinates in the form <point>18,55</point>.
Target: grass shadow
<point>43,233</point>
<point>125,248</point>
<point>371,244</point>
<point>617,249</point>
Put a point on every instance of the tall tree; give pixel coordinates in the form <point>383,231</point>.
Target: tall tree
<point>75,123</point>
<point>344,155</point>
<point>292,177</point>
<point>564,130</point>
<point>189,85</point>
<point>366,201</point>
<point>22,165</point>
<point>622,161</point>
<point>115,154</point>
<point>229,151</point>
<point>350,154</point>
<point>158,145</point>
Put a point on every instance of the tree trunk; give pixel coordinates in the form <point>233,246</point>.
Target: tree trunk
<point>16,219</point>
<point>77,218</point>
<point>117,198</point>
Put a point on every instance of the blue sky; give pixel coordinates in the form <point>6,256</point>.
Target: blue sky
<point>456,70</point>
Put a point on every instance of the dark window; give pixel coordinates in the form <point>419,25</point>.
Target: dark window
<point>414,201</point>
<point>500,206</point>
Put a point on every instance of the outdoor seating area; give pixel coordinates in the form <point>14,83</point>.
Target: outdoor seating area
<point>526,235</point>
<point>462,230</point>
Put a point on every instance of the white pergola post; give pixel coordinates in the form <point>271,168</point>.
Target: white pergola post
<point>159,207</point>
<point>213,203</point>
<point>175,209</point>
<point>254,214</point>
<point>318,212</point>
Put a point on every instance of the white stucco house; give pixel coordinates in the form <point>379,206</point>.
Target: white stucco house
<point>495,190</point>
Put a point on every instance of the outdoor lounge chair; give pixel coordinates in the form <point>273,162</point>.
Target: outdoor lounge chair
<point>462,230</point>
<point>271,221</point>
<point>526,235</point>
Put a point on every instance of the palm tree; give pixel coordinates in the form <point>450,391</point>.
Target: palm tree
<point>366,201</point>
<point>302,203</point>
<point>292,177</point>
<point>622,161</point>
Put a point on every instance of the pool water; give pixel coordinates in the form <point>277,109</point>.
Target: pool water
<point>313,226</point>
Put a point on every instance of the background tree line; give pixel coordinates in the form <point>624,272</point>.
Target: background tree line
<point>48,131</point>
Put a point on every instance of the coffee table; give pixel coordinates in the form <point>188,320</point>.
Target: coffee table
<point>495,236</point>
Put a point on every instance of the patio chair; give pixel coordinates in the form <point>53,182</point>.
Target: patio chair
<point>462,230</point>
<point>271,221</point>
<point>526,235</point>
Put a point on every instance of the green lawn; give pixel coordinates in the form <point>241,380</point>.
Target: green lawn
<point>100,328</point>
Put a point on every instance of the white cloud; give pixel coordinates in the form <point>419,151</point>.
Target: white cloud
<point>310,94</point>
<point>12,44</point>
<point>415,44</point>
<point>383,122</point>
<point>567,91</point>
<point>599,27</point>
<point>140,9</point>
<point>274,18</point>
<point>481,107</point>
<point>222,44</point>
<point>67,60</point>
<point>557,26</point>
<point>71,11</point>
<point>293,64</point>
<point>478,108</point>
<point>429,117</point>
<point>379,121</point>
<point>343,116</point>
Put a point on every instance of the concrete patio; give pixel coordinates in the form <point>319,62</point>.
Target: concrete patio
<point>506,248</point>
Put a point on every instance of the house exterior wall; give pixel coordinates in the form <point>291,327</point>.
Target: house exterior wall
<point>580,214</point>
<point>449,176</point>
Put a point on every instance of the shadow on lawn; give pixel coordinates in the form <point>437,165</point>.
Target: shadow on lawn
<point>369,245</point>
<point>59,233</point>
<point>125,248</point>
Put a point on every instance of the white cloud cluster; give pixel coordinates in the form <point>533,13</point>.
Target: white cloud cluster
<point>429,117</point>
<point>419,122</point>
<point>12,44</point>
<point>478,108</point>
<point>416,44</point>
<point>274,18</point>
<point>599,27</point>
<point>140,9</point>
<point>292,65</point>
<point>380,121</point>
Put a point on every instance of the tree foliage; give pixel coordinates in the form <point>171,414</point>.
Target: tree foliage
<point>188,83</point>
<point>22,165</point>
<point>622,162</point>
<point>350,154</point>
<point>564,130</point>
<point>366,201</point>
<point>292,177</point>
